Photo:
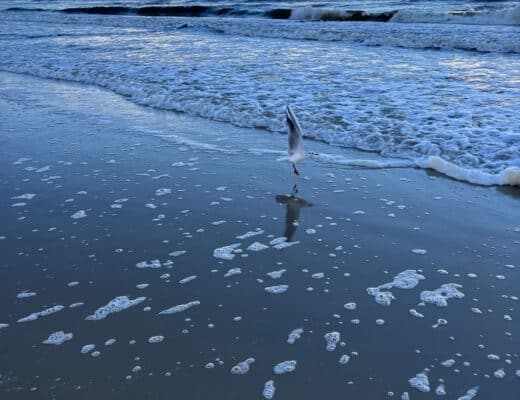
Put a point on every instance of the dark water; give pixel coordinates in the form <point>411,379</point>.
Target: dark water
<point>91,141</point>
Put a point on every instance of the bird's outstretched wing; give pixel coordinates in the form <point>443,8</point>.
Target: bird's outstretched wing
<point>294,131</point>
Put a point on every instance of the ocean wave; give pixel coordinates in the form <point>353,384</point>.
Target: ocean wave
<point>499,15</point>
<point>508,15</point>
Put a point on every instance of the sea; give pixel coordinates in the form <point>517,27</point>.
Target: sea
<point>436,83</point>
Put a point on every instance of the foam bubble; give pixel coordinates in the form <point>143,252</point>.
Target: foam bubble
<point>277,289</point>
<point>250,234</point>
<point>115,305</point>
<point>44,313</point>
<point>180,308</point>
<point>87,348</point>
<point>242,367</point>
<point>344,359</point>
<point>269,390</point>
<point>294,335</point>
<point>79,214</point>
<point>226,252</point>
<point>332,339</point>
<point>232,271</point>
<point>276,274</point>
<point>188,279</point>
<point>58,338</point>
<point>257,246</point>
<point>420,382</point>
<point>440,296</point>
<point>469,394</point>
<point>155,339</point>
<point>285,367</point>
<point>404,280</point>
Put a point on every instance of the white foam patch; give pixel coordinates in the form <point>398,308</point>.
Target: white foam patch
<point>257,246</point>
<point>58,338</point>
<point>276,274</point>
<point>177,253</point>
<point>269,390</point>
<point>44,313</point>
<point>344,359</point>
<point>440,296</point>
<point>24,295</point>
<point>3,326</point>
<point>404,280</point>
<point>242,367</point>
<point>115,305</point>
<point>332,339</point>
<point>233,271</point>
<point>469,394</point>
<point>163,191</point>
<point>87,348</point>
<point>151,264</point>
<point>250,234</point>
<point>180,308</point>
<point>294,335</point>
<point>420,382</point>
<point>187,279</point>
<point>226,252</point>
<point>277,289</point>
<point>79,214</point>
<point>285,367</point>
<point>26,196</point>
<point>155,339</point>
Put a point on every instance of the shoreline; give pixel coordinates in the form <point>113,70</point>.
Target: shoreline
<point>155,183</point>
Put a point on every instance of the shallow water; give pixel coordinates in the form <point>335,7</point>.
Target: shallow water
<point>95,156</point>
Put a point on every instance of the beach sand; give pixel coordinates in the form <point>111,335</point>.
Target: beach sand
<point>82,148</point>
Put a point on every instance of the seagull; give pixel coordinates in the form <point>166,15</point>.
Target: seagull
<point>295,151</point>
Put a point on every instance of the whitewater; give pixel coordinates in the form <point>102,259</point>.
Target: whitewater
<point>436,84</point>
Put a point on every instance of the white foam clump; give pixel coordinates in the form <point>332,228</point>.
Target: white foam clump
<point>419,251</point>
<point>44,313</point>
<point>226,252</point>
<point>318,275</point>
<point>87,348</point>
<point>115,305</point>
<point>187,279</point>
<point>332,339</point>
<point>26,196</point>
<point>344,359</point>
<point>3,326</point>
<point>440,296</point>
<point>350,306</point>
<point>250,234</point>
<point>284,367</point>
<point>294,335</point>
<point>269,390</point>
<point>180,308</point>
<point>79,214</point>
<point>281,243</point>
<point>58,338</point>
<point>508,176</point>
<point>440,390</point>
<point>177,253</point>
<point>469,394</point>
<point>24,295</point>
<point>276,274</point>
<point>242,367</point>
<point>162,191</point>
<point>257,246</point>
<point>499,373</point>
<point>151,264</point>
<point>420,382</point>
<point>233,271</point>
<point>404,280</point>
<point>448,363</point>
<point>155,339</point>
<point>276,289</point>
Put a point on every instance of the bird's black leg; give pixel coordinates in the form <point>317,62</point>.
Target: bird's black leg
<point>296,172</point>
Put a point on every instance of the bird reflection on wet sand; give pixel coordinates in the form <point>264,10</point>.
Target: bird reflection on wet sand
<point>293,204</point>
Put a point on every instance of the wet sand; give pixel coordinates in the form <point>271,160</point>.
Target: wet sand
<point>79,148</point>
